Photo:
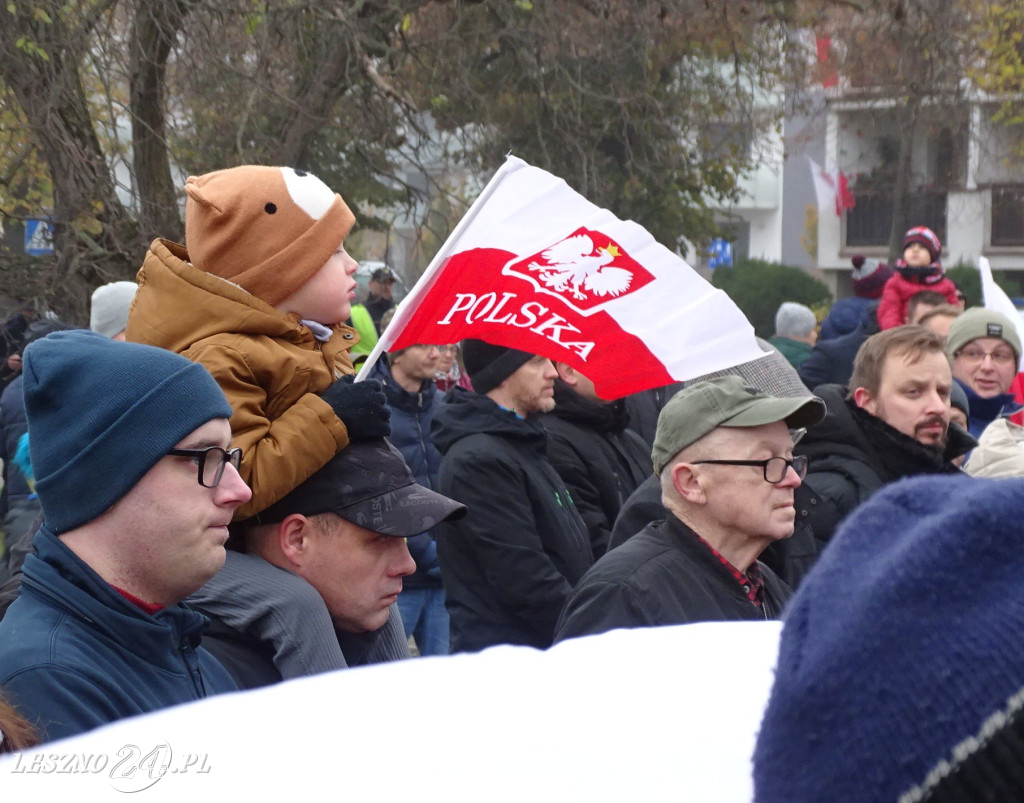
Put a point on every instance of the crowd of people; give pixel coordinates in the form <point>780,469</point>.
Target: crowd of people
<point>199,498</point>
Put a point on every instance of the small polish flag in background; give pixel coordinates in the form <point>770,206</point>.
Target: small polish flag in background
<point>831,188</point>
<point>535,266</point>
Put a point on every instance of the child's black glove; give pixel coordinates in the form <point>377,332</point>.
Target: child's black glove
<point>361,406</point>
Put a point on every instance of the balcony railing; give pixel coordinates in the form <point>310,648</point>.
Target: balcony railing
<point>870,221</point>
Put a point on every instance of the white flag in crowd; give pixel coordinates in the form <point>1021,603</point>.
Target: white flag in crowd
<point>535,266</point>
<point>995,298</point>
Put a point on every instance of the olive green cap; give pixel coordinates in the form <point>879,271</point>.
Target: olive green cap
<point>725,402</point>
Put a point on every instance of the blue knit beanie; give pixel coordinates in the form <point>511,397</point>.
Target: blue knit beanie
<point>901,660</point>
<point>102,413</point>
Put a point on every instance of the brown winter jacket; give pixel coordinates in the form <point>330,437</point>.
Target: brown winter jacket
<point>268,364</point>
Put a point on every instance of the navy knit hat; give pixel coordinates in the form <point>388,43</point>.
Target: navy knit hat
<point>102,413</point>
<point>488,365</point>
<point>901,662</point>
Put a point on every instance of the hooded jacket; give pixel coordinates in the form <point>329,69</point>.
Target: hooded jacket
<point>75,654</point>
<point>269,365</point>
<point>831,361</point>
<point>845,316</point>
<point>509,565</point>
<point>854,453</point>
<point>601,461</point>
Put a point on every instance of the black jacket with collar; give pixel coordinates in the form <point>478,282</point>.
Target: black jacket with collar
<point>511,562</point>
<point>663,575</point>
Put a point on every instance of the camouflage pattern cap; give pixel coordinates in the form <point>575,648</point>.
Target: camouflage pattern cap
<point>368,483</point>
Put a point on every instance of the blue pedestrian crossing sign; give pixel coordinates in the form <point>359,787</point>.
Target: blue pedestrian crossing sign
<point>719,254</point>
<point>38,237</point>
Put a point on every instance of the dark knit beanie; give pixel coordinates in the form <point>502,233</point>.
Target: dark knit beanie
<point>488,366</point>
<point>267,229</point>
<point>901,659</point>
<point>102,413</point>
<point>869,277</point>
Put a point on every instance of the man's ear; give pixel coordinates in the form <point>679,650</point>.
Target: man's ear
<point>566,373</point>
<point>294,535</point>
<point>864,399</point>
<point>688,484</point>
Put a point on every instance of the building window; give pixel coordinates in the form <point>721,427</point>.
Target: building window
<point>1007,215</point>
<point>870,221</point>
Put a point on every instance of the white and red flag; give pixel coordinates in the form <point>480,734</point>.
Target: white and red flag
<point>535,266</point>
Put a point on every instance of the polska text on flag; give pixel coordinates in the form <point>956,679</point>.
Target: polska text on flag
<point>535,266</point>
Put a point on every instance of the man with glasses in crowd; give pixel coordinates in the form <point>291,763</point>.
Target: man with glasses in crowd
<point>137,483</point>
<point>985,348</point>
<point>892,422</point>
<point>724,453</point>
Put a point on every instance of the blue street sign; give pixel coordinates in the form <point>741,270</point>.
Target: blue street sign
<point>719,254</point>
<point>39,237</point>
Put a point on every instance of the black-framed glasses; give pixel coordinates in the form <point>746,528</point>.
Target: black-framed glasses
<point>774,468</point>
<point>211,462</point>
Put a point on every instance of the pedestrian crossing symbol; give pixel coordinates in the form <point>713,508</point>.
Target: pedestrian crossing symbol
<point>38,237</point>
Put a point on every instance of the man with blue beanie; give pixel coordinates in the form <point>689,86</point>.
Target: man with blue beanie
<point>131,450</point>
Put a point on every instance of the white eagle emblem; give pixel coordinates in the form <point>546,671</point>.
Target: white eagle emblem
<point>575,266</point>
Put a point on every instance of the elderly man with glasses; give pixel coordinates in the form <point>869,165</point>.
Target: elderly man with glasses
<point>137,483</point>
<point>985,348</point>
<point>724,452</point>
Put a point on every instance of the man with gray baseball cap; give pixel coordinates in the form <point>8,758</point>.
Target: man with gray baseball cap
<point>339,539</point>
<point>724,452</point>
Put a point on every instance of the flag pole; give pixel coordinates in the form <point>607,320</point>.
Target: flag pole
<point>411,301</point>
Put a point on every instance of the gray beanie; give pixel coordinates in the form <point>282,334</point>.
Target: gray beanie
<point>978,322</point>
<point>794,319</point>
<point>108,313</point>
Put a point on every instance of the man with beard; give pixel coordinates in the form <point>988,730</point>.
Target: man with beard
<point>509,565</point>
<point>601,461</point>
<point>892,422</point>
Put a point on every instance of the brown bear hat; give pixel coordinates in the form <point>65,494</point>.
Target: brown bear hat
<point>267,229</point>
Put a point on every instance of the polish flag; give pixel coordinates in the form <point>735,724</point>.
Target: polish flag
<point>831,186</point>
<point>535,266</point>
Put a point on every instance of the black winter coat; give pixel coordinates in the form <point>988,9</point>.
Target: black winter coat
<point>509,565</point>
<point>663,575</point>
<point>600,460</point>
<point>791,558</point>
<point>645,407</point>
<point>854,453</point>
<point>831,361</point>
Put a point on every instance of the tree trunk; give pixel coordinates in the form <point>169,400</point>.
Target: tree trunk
<point>908,120</point>
<point>156,26</point>
<point>95,239</point>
